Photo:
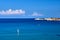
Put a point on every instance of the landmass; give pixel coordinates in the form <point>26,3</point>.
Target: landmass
<point>48,19</point>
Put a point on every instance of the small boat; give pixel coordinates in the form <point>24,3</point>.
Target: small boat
<point>17,31</point>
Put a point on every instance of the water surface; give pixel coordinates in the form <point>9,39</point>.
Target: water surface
<point>29,29</point>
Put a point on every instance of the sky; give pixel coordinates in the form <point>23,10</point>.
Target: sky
<point>29,8</point>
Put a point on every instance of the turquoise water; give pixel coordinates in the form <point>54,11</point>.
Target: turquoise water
<point>30,30</point>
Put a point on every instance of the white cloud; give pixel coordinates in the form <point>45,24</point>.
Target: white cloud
<point>10,11</point>
<point>36,14</point>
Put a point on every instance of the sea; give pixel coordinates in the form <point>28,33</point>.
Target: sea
<point>29,29</point>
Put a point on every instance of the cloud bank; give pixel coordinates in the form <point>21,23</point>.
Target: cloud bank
<point>10,11</point>
<point>37,14</point>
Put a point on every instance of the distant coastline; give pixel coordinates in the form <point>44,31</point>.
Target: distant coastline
<point>48,19</point>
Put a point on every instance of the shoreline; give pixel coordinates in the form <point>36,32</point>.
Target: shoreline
<point>48,19</point>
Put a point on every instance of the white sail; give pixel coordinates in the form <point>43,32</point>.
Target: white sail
<point>17,31</point>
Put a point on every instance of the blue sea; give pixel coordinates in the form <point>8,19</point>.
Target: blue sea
<point>29,29</point>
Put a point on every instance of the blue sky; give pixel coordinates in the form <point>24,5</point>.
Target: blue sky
<point>30,8</point>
